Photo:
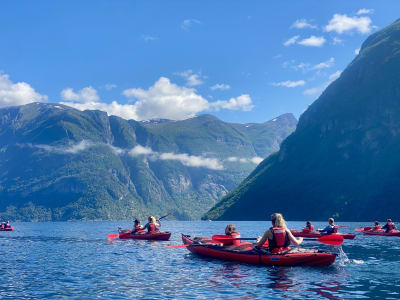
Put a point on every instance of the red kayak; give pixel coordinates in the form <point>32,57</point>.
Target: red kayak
<point>7,229</point>
<point>246,253</point>
<point>316,234</point>
<point>158,236</point>
<point>382,232</point>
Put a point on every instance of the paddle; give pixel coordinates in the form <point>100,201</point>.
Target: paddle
<point>331,239</point>
<point>170,213</point>
<point>363,229</point>
<point>112,236</point>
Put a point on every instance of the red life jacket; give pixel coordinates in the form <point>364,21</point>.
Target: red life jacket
<point>390,226</point>
<point>377,227</point>
<point>308,229</point>
<point>152,228</point>
<point>335,228</point>
<point>235,235</point>
<point>280,240</point>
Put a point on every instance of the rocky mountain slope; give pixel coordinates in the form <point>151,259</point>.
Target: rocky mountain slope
<point>343,160</point>
<point>58,163</point>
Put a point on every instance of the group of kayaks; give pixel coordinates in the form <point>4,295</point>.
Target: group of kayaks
<point>226,247</point>
<point>381,232</point>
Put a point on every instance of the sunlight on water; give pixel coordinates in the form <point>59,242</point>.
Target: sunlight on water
<point>76,261</point>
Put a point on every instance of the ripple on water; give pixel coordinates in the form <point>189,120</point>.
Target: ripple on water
<point>75,261</point>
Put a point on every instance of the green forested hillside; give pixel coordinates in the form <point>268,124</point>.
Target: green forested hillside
<point>343,160</point>
<point>58,163</point>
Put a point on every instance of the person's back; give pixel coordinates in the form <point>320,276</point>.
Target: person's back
<point>330,228</point>
<point>152,225</point>
<point>280,240</point>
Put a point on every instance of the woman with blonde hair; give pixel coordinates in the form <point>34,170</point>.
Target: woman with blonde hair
<point>278,236</point>
<point>152,225</point>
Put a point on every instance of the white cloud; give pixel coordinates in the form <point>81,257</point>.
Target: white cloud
<point>125,111</point>
<point>220,86</point>
<point>357,51</point>
<point>337,41</point>
<point>291,41</point>
<point>365,11</point>
<point>87,94</point>
<point>255,160</point>
<point>303,23</point>
<point>313,41</point>
<point>64,149</point>
<point>149,38</point>
<point>193,160</point>
<point>17,93</point>
<point>290,84</point>
<point>316,91</point>
<point>188,24</point>
<point>192,79</point>
<point>110,86</point>
<point>325,64</point>
<point>140,150</point>
<point>343,23</point>
<point>243,102</point>
<point>166,100</point>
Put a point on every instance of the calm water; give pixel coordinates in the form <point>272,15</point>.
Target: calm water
<point>74,260</point>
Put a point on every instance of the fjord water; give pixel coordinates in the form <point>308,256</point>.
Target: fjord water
<point>74,260</point>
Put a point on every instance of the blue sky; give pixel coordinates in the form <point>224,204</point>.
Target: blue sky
<point>243,61</point>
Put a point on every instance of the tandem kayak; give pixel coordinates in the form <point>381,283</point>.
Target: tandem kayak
<point>158,236</point>
<point>382,233</point>
<point>316,234</point>
<point>7,229</point>
<point>246,253</point>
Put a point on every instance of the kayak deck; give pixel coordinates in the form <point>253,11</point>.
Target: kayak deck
<point>157,236</point>
<point>247,254</point>
<point>316,234</point>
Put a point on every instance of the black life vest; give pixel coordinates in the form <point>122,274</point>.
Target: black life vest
<point>280,240</point>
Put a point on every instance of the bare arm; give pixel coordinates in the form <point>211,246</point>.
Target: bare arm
<point>265,237</point>
<point>295,241</point>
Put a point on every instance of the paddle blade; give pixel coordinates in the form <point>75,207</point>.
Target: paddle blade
<point>179,246</point>
<point>112,236</point>
<point>331,239</point>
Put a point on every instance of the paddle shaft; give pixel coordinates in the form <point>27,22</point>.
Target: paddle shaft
<point>170,213</point>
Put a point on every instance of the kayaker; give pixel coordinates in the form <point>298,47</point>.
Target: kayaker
<point>389,226</point>
<point>330,228</point>
<point>278,236</point>
<point>8,225</point>
<point>309,227</point>
<point>152,225</point>
<point>137,227</point>
<point>377,227</point>
<point>230,230</point>
<point>3,225</point>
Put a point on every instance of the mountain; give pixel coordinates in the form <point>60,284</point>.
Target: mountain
<point>343,160</point>
<point>59,163</point>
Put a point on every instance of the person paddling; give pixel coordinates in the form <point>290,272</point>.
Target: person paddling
<point>309,227</point>
<point>279,236</point>
<point>331,228</point>
<point>152,225</point>
<point>137,228</point>
<point>389,226</point>
<point>377,227</point>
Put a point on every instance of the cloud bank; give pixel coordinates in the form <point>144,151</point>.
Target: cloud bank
<point>342,24</point>
<point>19,93</point>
